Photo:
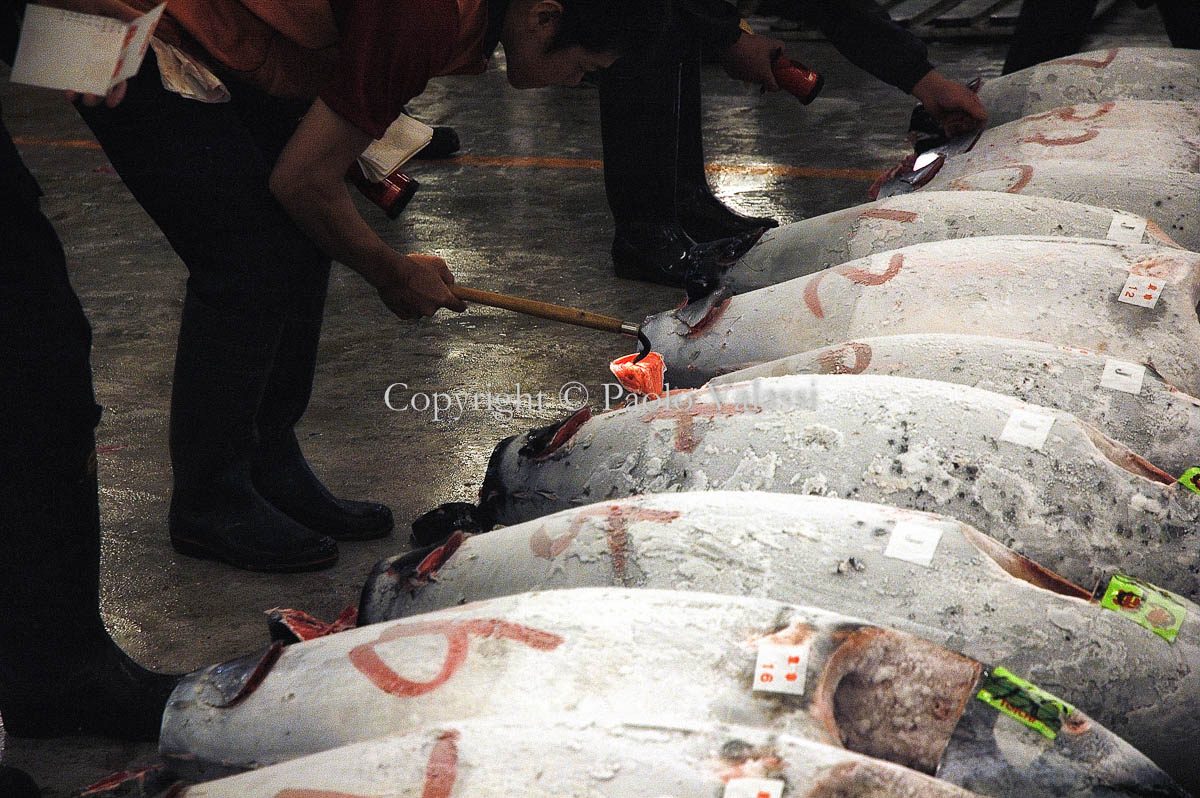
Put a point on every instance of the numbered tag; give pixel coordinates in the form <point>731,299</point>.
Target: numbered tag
<point>1121,375</point>
<point>913,542</point>
<point>781,669</point>
<point>753,788</point>
<point>1142,290</point>
<point>1146,605</point>
<point>1127,228</point>
<point>1191,479</point>
<point>1019,699</point>
<point>1027,428</point>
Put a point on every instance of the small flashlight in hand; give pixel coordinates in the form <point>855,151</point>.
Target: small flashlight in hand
<point>795,78</point>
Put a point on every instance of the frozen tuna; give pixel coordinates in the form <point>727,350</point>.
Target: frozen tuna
<point>1139,157</point>
<point>1062,291</point>
<point>676,657</point>
<point>1118,73</point>
<point>559,756</point>
<point>923,574</point>
<point>1127,401</point>
<point>1039,480</point>
<point>811,245</point>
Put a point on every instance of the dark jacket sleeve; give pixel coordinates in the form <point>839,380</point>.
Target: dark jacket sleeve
<point>860,29</point>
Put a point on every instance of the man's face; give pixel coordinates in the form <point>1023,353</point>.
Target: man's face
<point>566,67</point>
<point>529,28</point>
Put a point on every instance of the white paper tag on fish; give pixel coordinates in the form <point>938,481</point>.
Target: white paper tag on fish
<point>1127,228</point>
<point>1142,290</point>
<point>1027,428</point>
<point>753,788</point>
<point>781,669</point>
<point>1120,375</point>
<point>913,542</point>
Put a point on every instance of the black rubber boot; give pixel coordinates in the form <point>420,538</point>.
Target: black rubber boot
<point>701,214</point>
<point>281,474</point>
<point>221,370</point>
<point>60,672</point>
<point>445,142</point>
<point>17,784</point>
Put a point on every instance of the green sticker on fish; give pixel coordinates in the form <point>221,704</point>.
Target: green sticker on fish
<point>1191,479</point>
<point>1020,699</point>
<point>1146,605</point>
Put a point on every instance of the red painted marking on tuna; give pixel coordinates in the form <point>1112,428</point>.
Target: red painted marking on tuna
<point>888,213</point>
<point>542,545</point>
<point>855,275</point>
<point>685,428</point>
<point>1025,175</point>
<point>616,520</point>
<point>442,769</point>
<point>1068,114</point>
<point>1065,141</point>
<point>457,633</point>
<point>1090,62</point>
<point>831,361</point>
<point>710,318</point>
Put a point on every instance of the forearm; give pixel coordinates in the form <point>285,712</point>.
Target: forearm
<point>864,33</point>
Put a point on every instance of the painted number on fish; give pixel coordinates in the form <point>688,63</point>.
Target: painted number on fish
<point>1027,428</point>
<point>1145,605</point>
<point>1019,699</point>
<point>1127,228</point>
<point>753,788</point>
<point>781,669</point>
<point>913,542</point>
<point>1141,290</point>
<point>1121,375</point>
<point>1191,479</point>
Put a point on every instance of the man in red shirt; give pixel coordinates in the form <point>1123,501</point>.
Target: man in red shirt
<point>251,195</point>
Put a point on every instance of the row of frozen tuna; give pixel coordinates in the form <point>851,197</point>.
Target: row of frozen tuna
<point>968,442</point>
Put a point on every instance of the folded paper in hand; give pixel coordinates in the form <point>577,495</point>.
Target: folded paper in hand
<point>68,50</point>
<point>401,142</point>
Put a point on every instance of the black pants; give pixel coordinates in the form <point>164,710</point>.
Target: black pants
<point>1049,29</point>
<point>46,399</point>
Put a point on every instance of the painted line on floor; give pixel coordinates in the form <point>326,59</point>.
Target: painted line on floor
<point>769,170</point>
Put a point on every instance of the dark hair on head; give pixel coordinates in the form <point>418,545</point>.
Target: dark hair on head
<point>611,26</point>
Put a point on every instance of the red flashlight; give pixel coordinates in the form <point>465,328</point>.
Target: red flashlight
<point>391,194</point>
<point>797,79</point>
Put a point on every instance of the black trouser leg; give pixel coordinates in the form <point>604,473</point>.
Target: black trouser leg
<point>281,473</point>
<point>201,172</point>
<point>60,672</point>
<point>1182,20</point>
<point>1048,29</point>
<point>701,214</point>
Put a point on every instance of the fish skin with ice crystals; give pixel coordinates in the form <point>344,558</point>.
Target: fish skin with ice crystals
<point>810,245</point>
<point>974,597</point>
<point>1083,505</point>
<point>1159,422</point>
<point>608,654</point>
<point>563,756</point>
<point>1096,76</point>
<point>1061,291</point>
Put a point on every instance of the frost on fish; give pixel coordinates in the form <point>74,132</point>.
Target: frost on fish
<point>973,595</point>
<point>1081,504</point>
<point>1140,157</point>
<point>559,756</point>
<point>619,655</point>
<point>1153,418</point>
<point>1060,291</point>
<point>810,245</point>
<point>1118,73</point>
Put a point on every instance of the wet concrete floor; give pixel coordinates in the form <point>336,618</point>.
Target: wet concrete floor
<point>503,222</point>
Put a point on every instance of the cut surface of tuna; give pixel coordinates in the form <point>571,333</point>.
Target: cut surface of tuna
<point>1061,291</point>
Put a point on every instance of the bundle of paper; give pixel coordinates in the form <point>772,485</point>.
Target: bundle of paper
<point>401,142</point>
